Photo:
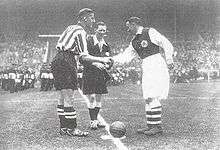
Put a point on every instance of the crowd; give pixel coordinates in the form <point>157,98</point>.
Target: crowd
<point>14,80</point>
<point>46,78</point>
<point>20,64</point>
<point>191,61</point>
<point>194,60</point>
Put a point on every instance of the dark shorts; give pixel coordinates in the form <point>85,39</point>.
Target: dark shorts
<point>64,71</point>
<point>94,82</point>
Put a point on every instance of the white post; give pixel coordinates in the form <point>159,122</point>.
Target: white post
<point>175,25</point>
<point>46,53</point>
<point>208,75</point>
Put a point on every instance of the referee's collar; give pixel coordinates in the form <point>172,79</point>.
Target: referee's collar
<point>96,41</point>
<point>139,30</point>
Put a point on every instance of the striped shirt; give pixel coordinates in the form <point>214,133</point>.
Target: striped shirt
<point>73,39</point>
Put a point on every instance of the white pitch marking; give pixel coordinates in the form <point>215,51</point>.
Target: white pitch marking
<point>41,100</point>
<point>116,141</point>
<point>176,97</point>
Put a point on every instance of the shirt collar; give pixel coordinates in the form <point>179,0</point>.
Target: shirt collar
<point>96,41</point>
<point>139,30</point>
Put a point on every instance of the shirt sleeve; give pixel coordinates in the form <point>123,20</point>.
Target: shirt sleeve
<point>126,56</point>
<point>163,42</point>
<point>73,39</point>
<point>82,43</point>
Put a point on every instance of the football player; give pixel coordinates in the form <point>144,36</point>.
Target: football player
<point>155,77</point>
<point>72,44</point>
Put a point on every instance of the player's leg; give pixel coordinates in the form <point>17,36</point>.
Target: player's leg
<point>65,81</point>
<point>147,113</point>
<point>98,106</point>
<point>153,115</point>
<point>159,90</point>
<point>70,115</point>
<point>61,115</point>
<point>92,111</point>
<point>69,111</point>
<point>145,92</point>
<point>153,110</point>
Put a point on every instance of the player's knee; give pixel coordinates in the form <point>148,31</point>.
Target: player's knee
<point>91,103</point>
<point>148,100</point>
<point>61,101</point>
<point>98,97</point>
<point>92,98</point>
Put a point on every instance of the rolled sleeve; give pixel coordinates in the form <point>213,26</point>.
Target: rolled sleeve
<point>126,56</point>
<point>163,42</point>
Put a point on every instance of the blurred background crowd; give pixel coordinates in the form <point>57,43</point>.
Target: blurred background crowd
<point>191,26</point>
<point>193,60</point>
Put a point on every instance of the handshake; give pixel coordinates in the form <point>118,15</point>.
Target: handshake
<point>105,63</point>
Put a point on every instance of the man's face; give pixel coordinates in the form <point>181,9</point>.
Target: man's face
<point>90,20</point>
<point>131,27</point>
<point>101,30</point>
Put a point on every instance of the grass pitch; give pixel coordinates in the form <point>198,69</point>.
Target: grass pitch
<point>191,117</point>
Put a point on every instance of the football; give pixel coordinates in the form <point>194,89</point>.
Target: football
<point>117,129</point>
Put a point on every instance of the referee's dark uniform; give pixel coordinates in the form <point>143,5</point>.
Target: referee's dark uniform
<point>94,79</point>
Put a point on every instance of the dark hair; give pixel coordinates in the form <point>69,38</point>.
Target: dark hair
<point>83,12</point>
<point>136,20</point>
<point>99,24</point>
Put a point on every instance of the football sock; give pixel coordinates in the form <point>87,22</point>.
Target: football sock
<point>148,112</point>
<point>97,109</point>
<point>70,117</point>
<point>154,115</point>
<point>91,107</point>
<point>60,113</point>
<point>92,113</point>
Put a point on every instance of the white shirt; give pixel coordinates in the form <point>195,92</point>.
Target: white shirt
<point>6,76</point>
<point>156,38</point>
<point>50,75</point>
<point>44,75</point>
<point>12,75</point>
<point>32,76</point>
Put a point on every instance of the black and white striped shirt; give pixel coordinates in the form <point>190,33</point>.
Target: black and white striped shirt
<point>73,39</point>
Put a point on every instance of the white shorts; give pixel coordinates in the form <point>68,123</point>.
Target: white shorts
<point>155,78</point>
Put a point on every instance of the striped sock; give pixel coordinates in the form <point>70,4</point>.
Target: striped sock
<point>148,112</point>
<point>70,116</point>
<point>154,115</point>
<point>60,113</point>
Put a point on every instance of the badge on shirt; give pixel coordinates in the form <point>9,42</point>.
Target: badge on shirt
<point>144,43</point>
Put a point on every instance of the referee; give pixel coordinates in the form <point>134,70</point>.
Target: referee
<point>72,44</point>
<point>94,77</point>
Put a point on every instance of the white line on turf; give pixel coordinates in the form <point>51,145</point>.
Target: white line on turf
<point>116,141</point>
<point>185,96</point>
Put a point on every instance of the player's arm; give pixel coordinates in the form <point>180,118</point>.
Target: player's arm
<point>90,59</point>
<point>163,42</point>
<point>126,56</point>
